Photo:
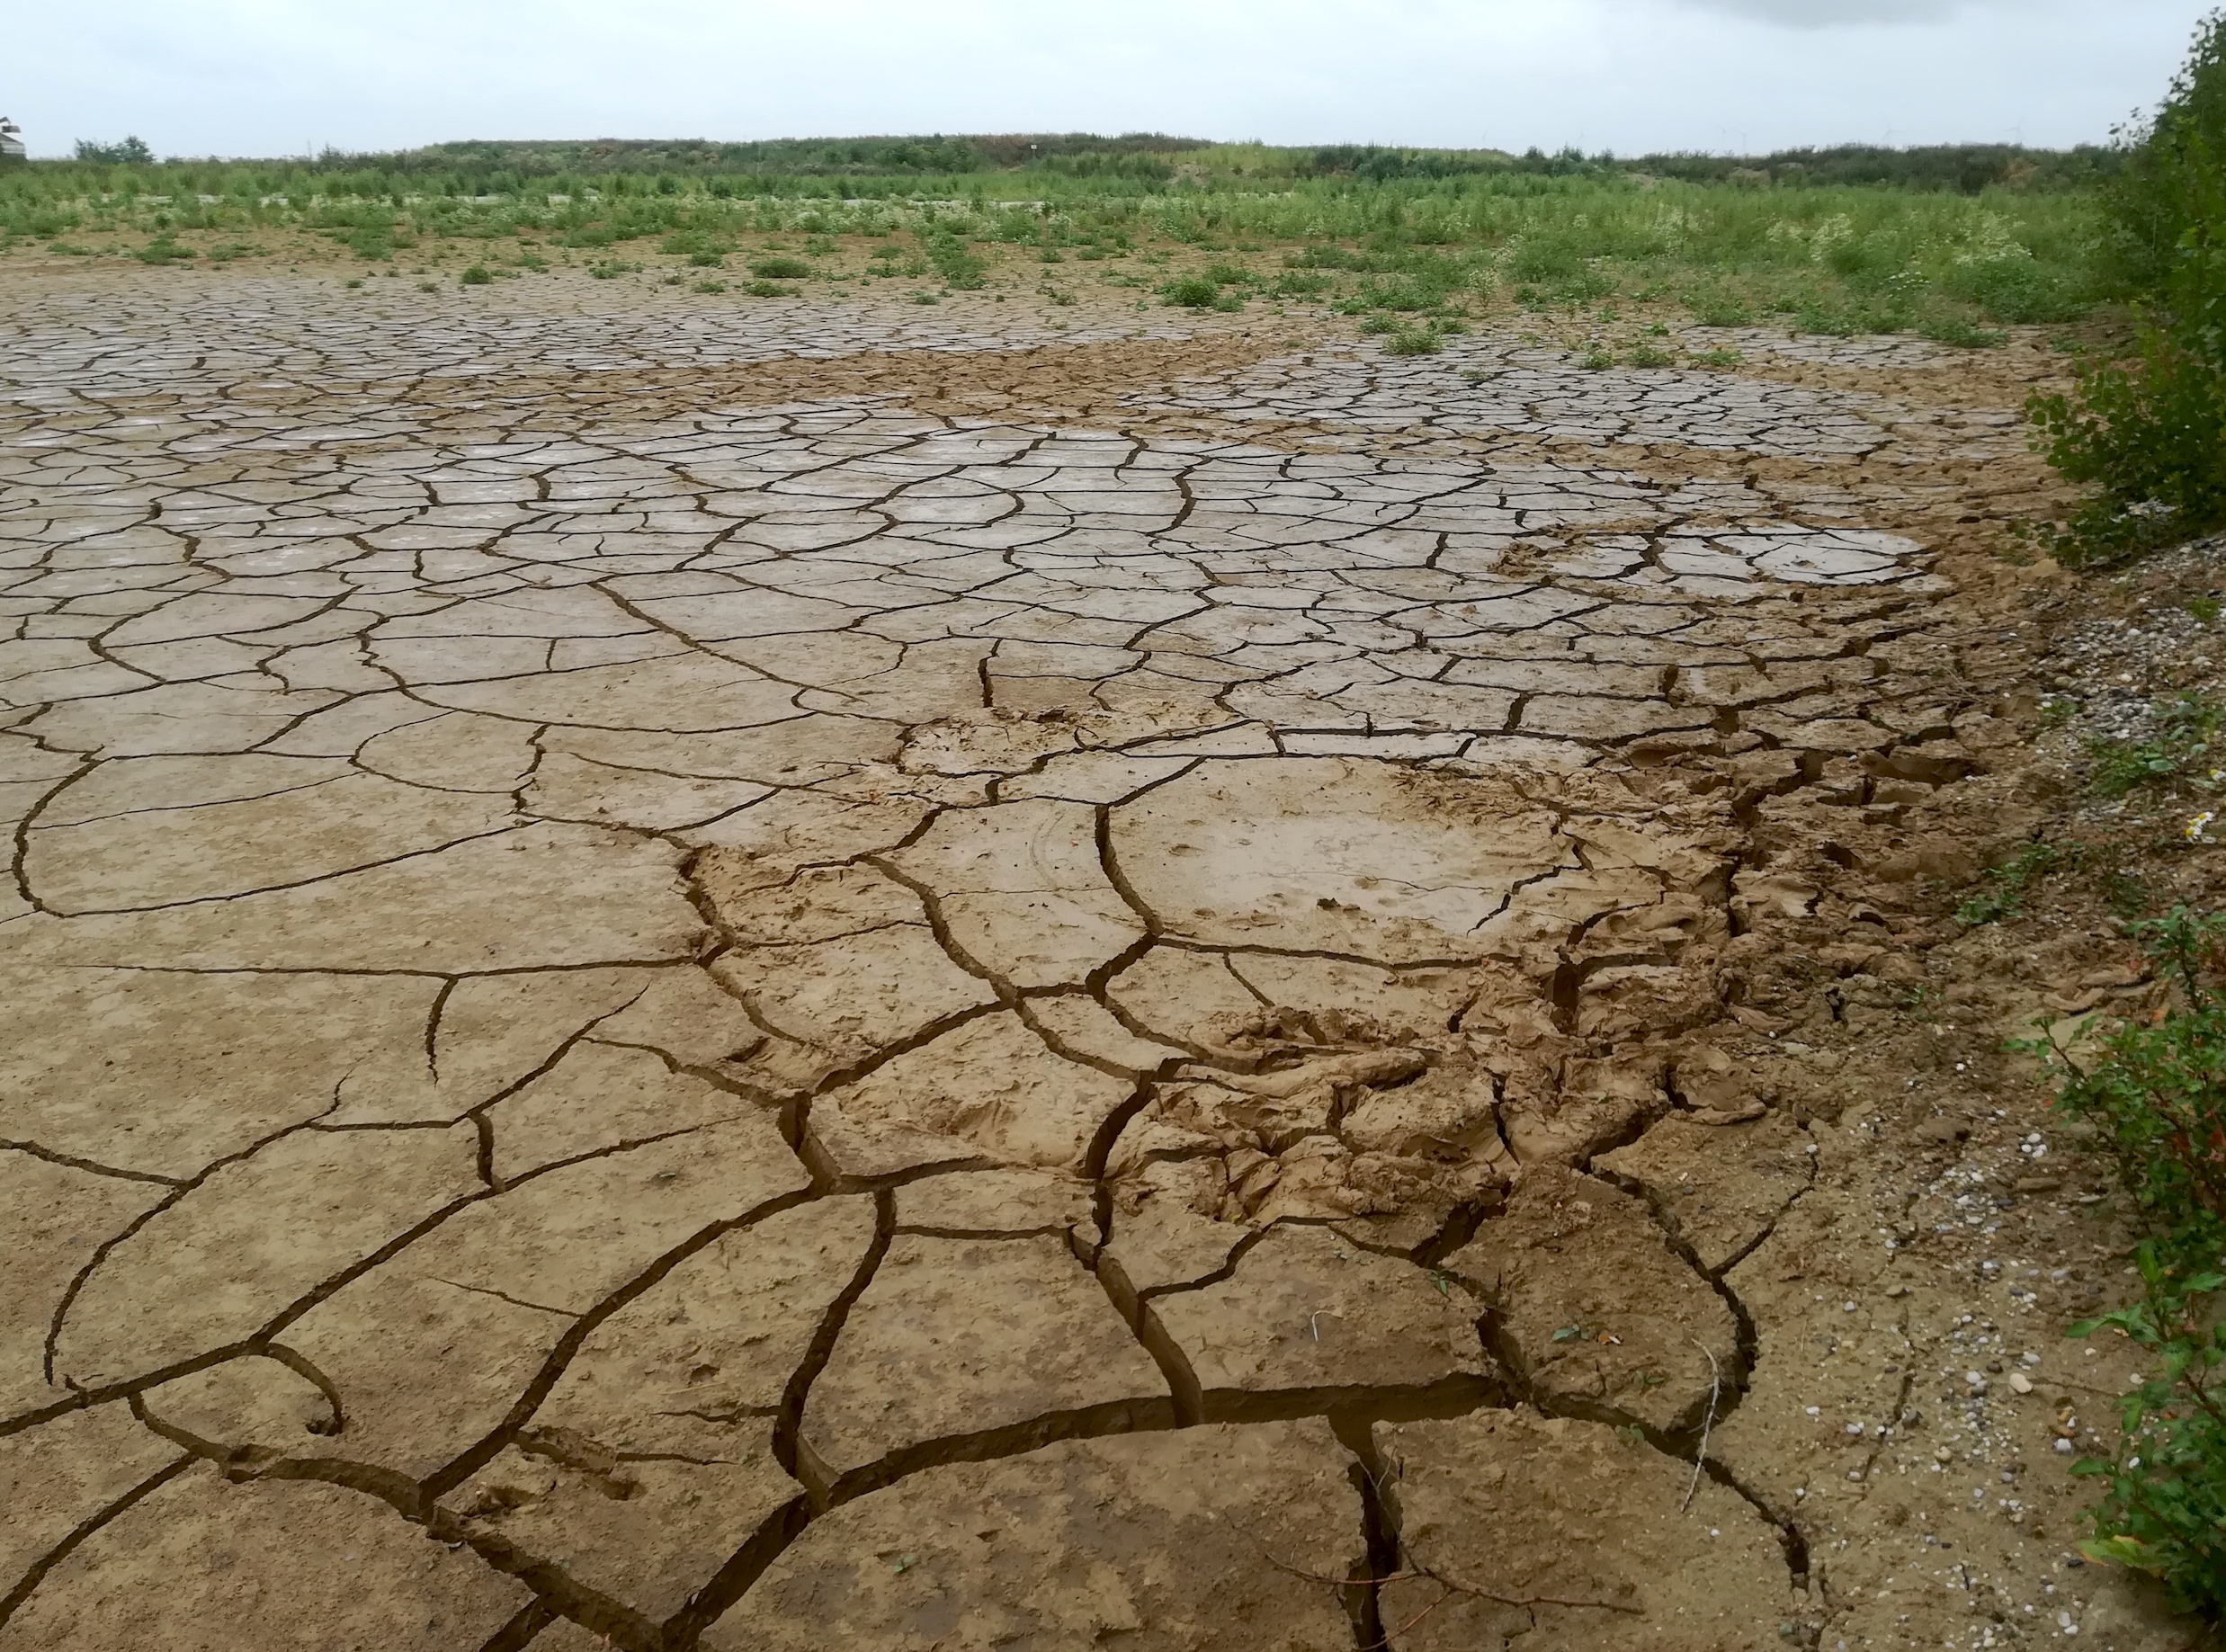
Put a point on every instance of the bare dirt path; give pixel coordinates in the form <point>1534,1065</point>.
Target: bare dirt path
<point>849,975</point>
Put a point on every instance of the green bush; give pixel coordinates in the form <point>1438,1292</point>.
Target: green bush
<point>780,269</point>
<point>2014,287</point>
<point>1191,292</point>
<point>2157,1090</point>
<point>960,270</point>
<point>478,275</point>
<point>130,152</point>
<point>2146,427</point>
<point>2164,1511</point>
<point>1413,341</point>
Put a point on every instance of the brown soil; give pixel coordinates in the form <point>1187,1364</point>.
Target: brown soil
<point>804,982</point>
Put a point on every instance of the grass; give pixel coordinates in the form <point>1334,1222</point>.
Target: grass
<point>2177,753</point>
<point>2157,1090</point>
<point>1372,231</point>
<point>2010,883</point>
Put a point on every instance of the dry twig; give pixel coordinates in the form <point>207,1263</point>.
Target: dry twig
<point>1708,1421</point>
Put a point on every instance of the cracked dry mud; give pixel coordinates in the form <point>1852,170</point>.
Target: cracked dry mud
<point>1070,1007</point>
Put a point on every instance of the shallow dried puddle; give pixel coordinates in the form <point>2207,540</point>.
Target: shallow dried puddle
<point>823,1025</point>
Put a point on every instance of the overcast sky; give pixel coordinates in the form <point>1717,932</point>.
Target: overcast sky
<point>281,76</point>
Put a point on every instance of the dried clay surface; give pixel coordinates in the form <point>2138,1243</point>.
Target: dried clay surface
<point>831,976</point>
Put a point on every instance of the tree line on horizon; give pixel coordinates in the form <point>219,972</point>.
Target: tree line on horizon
<point>1147,158</point>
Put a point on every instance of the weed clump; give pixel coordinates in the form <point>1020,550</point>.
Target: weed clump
<point>2174,753</point>
<point>1191,292</point>
<point>2157,1090</point>
<point>2146,424</point>
<point>478,275</point>
<point>2010,883</point>
<point>1413,341</point>
<point>780,269</point>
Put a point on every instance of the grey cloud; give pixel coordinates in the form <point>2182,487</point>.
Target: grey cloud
<point>1833,14</point>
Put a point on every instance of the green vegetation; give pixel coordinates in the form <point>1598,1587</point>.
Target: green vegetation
<point>1953,243</point>
<point>2178,751</point>
<point>2008,884</point>
<point>2158,1092</point>
<point>130,152</point>
<point>2146,424</point>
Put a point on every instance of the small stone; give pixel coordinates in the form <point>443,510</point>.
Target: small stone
<point>2019,1383</point>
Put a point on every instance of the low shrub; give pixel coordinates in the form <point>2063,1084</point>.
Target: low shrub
<point>2146,424</point>
<point>2158,1092</point>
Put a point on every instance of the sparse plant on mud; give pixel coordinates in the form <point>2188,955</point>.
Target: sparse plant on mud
<point>780,269</point>
<point>947,254</point>
<point>2157,1089</point>
<point>1190,291</point>
<point>1954,330</point>
<point>477,275</point>
<point>1413,341</point>
<point>2164,1506</point>
<point>2008,884</point>
<point>2178,753</point>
